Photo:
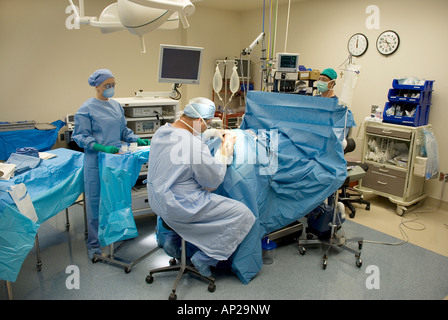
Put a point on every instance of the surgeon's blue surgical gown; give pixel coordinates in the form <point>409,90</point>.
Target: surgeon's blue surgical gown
<point>180,167</point>
<point>100,122</point>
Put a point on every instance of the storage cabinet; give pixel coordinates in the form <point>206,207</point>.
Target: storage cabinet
<point>390,151</point>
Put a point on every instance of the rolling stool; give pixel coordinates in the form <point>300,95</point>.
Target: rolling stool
<point>182,268</point>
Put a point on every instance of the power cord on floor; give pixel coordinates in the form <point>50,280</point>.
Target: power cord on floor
<point>403,224</point>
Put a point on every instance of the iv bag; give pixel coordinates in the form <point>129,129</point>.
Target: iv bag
<point>234,82</point>
<point>217,82</point>
<point>350,78</point>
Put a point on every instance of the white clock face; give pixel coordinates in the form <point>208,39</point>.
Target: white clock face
<point>357,44</point>
<point>388,42</point>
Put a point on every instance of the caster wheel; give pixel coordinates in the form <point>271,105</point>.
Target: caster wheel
<point>149,279</point>
<point>172,296</point>
<point>302,250</point>
<point>360,245</point>
<point>368,207</point>
<point>358,263</point>
<point>95,259</point>
<point>351,215</point>
<point>211,287</point>
<point>324,263</point>
<point>173,262</point>
<point>127,270</point>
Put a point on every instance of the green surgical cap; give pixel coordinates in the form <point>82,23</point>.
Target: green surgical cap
<point>330,73</point>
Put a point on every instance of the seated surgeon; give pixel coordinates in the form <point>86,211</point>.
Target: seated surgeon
<point>326,83</point>
<point>182,173</point>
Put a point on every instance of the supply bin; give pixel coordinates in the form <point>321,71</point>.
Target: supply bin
<point>409,104</point>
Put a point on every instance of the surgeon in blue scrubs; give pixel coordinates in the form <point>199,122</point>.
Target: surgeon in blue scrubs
<point>100,126</point>
<point>182,173</point>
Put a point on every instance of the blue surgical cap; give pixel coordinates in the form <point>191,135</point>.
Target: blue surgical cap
<point>99,76</point>
<point>200,108</point>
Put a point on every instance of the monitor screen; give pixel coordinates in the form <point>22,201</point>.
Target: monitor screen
<point>180,64</point>
<point>243,68</point>
<point>287,62</point>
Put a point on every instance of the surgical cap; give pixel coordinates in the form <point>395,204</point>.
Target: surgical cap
<point>200,108</point>
<point>99,76</point>
<point>330,73</point>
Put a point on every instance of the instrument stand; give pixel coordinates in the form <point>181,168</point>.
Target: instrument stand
<point>336,240</point>
<point>119,262</point>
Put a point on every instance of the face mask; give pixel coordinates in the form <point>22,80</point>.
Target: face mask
<point>195,133</point>
<point>109,93</point>
<point>322,86</point>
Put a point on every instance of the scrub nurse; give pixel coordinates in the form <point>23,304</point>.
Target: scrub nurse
<point>100,126</point>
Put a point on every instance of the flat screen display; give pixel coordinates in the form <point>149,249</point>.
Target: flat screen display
<point>180,64</point>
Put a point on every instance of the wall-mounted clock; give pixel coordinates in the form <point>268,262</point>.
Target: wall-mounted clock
<point>387,42</point>
<point>357,44</point>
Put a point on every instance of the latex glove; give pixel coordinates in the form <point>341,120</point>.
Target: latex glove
<point>211,133</point>
<point>228,143</point>
<point>107,149</point>
<point>143,142</point>
<point>225,152</point>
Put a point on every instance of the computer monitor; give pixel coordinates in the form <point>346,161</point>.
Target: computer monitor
<point>243,68</point>
<point>180,64</point>
<point>288,62</point>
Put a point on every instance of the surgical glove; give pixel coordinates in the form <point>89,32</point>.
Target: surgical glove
<point>225,153</point>
<point>211,133</point>
<point>143,142</point>
<point>107,149</point>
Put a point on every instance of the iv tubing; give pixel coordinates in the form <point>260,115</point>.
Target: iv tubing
<point>287,24</point>
<point>275,28</point>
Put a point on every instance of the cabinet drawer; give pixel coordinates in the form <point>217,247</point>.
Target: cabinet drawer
<point>385,180</point>
<point>389,133</point>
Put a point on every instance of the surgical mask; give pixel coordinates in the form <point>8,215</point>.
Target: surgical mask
<point>109,93</point>
<point>196,133</point>
<point>322,86</point>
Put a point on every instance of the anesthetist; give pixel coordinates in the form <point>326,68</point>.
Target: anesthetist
<point>100,126</point>
<point>327,81</point>
<point>182,174</point>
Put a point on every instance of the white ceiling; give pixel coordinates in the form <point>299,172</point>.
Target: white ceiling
<point>238,5</point>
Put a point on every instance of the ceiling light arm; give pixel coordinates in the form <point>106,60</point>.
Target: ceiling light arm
<point>184,9</point>
<point>80,17</point>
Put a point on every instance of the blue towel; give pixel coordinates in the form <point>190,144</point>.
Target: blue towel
<point>23,162</point>
<point>28,151</point>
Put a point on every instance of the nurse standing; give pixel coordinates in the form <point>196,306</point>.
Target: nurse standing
<point>100,125</point>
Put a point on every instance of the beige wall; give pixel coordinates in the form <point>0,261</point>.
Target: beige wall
<point>44,66</point>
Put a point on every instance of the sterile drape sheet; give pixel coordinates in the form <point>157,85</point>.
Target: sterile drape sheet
<point>288,159</point>
<point>53,186</point>
<point>42,140</point>
<point>118,173</point>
